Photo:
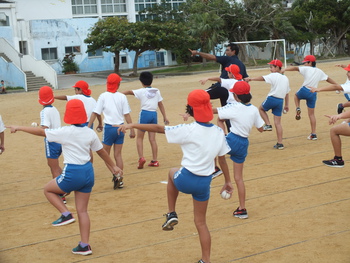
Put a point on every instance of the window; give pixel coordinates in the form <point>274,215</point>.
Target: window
<point>97,53</point>
<point>74,49</point>
<point>143,4</point>
<point>113,6</point>
<point>123,59</point>
<point>4,19</point>
<point>81,7</point>
<point>49,53</point>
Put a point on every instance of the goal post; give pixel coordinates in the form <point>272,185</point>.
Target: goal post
<point>275,41</point>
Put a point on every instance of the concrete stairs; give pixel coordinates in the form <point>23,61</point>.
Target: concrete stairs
<point>34,83</point>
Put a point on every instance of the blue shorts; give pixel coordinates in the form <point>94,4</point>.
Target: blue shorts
<point>305,94</point>
<point>239,147</point>
<point>189,183</point>
<point>274,104</point>
<point>146,117</point>
<point>347,96</point>
<point>53,150</point>
<point>110,135</point>
<point>86,124</point>
<point>76,177</point>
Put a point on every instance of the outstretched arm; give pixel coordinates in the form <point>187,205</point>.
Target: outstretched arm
<point>61,97</point>
<point>203,81</point>
<point>326,88</point>
<point>333,118</point>
<point>145,127</point>
<point>255,79</point>
<point>32,130</point>
<point>127,92</point>
<point>202,54</point>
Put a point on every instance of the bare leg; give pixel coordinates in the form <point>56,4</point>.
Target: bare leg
<point>139,142</point>
<point>54,165</point>
<point>81,203</point>
<point>118,155</point>
<point>238,175</point>
<point>264,115</point>
<point>154,146</point>
<point>172,192</point>
<point>312,118</point>
<point>200,211</point>
<point>335,132</point>
<point>52,191</point>
<point>296,101</point>
<point>279,129</point>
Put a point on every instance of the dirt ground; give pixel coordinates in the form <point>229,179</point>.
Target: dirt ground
<point>298,208</point>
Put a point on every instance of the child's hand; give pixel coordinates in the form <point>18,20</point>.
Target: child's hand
<point>12,128</point>
<point>203,81</point>
<point>132,133</point>
<point>166,121</point>
<point>313,90</point>
<point>332,118</point>
<point>185,116</point>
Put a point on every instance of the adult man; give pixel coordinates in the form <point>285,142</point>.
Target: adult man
<point>232,50</point>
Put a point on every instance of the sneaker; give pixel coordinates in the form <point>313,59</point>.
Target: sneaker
<point>79,250</point>
<point>201,261</point>
<point>171,221</point>
<point>154,163</point>
<point>63,197</point>
<point>216,173</point>
<point>279,146</point>
<point>334,163</point>
<point>117,181</point>
<point>141,163</point>
<point>267,127</point>
<point>64,220</point>
<point>298,112</point>
<point>340,108</point>
<point>243,214</point>
<point>312,137</point>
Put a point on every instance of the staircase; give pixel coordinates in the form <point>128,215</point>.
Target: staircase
<point>5,57</point>
<point>35,83</point>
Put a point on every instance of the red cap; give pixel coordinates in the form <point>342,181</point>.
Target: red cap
<point>113,81</point>
<point>199,100</point>
<point>348,68</point>
<point>241,88</point>
<point>75,112</point>
<point>234,69</point>
<point>84,86</point>
<point>46,95</point>
<point>276,62</point>
<point>309,58</point>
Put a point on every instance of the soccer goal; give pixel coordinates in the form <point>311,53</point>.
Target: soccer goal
<point>265,49</point>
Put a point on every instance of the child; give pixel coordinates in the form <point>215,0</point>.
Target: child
<point>83,93</point>
<point>278,94</point>
<point>50,119</point>
<point>115,107</point>
<point>78,172</point>
<point>346,85</point>
<point>243,117</point>
<point>194,177</point>
<point>312,76</point>
<point>150,99</point>
<point>335,132</point>
<point>2,86</point>
<point>2,136</point>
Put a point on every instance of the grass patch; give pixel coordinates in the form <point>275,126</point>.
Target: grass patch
<point>14,88</point>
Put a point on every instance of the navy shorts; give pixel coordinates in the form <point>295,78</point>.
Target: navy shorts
<point>239,147</point>
<point>110,135</point>
<point>305,94</point>
<point>274,104</point>
<point>53,150</point>
<point>76,177</point>
<point>189,183</point>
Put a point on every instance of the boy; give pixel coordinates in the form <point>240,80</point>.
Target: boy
<point>150,99</point>
<point>82,92</point>
<point>243,116</point>
<point>2,136</point>
<point>279,93</point>
<point>115,108</point>
<point>2,86</point>
<point>77,140</point>
<point>194,177</point>
<point>312,76</point>
<point>50,119</point>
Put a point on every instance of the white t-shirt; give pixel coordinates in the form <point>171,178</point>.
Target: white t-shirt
<point>346,86</point>
<point>113,106</point>
<point>2,125</point>
<point>200,144</point>
<point>228,84</point>
<point>242,118</point>
<point>76,143</point>
<point>149,98</point>
<point>312,76</point>
<point>89,103</point>
<point>279,85</point>
<point>50,117</point>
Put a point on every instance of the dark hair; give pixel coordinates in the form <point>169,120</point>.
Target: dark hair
<point>234,47</point>
<point>245,98</point>
<point>146,78</point>
<point>189,110</point>
<point>313,64</point>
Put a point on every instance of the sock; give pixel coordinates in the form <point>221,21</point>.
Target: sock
<point>65,213</point>
<point>83,244</point>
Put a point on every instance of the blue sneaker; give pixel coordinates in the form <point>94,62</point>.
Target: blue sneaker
<point>64,220</point>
